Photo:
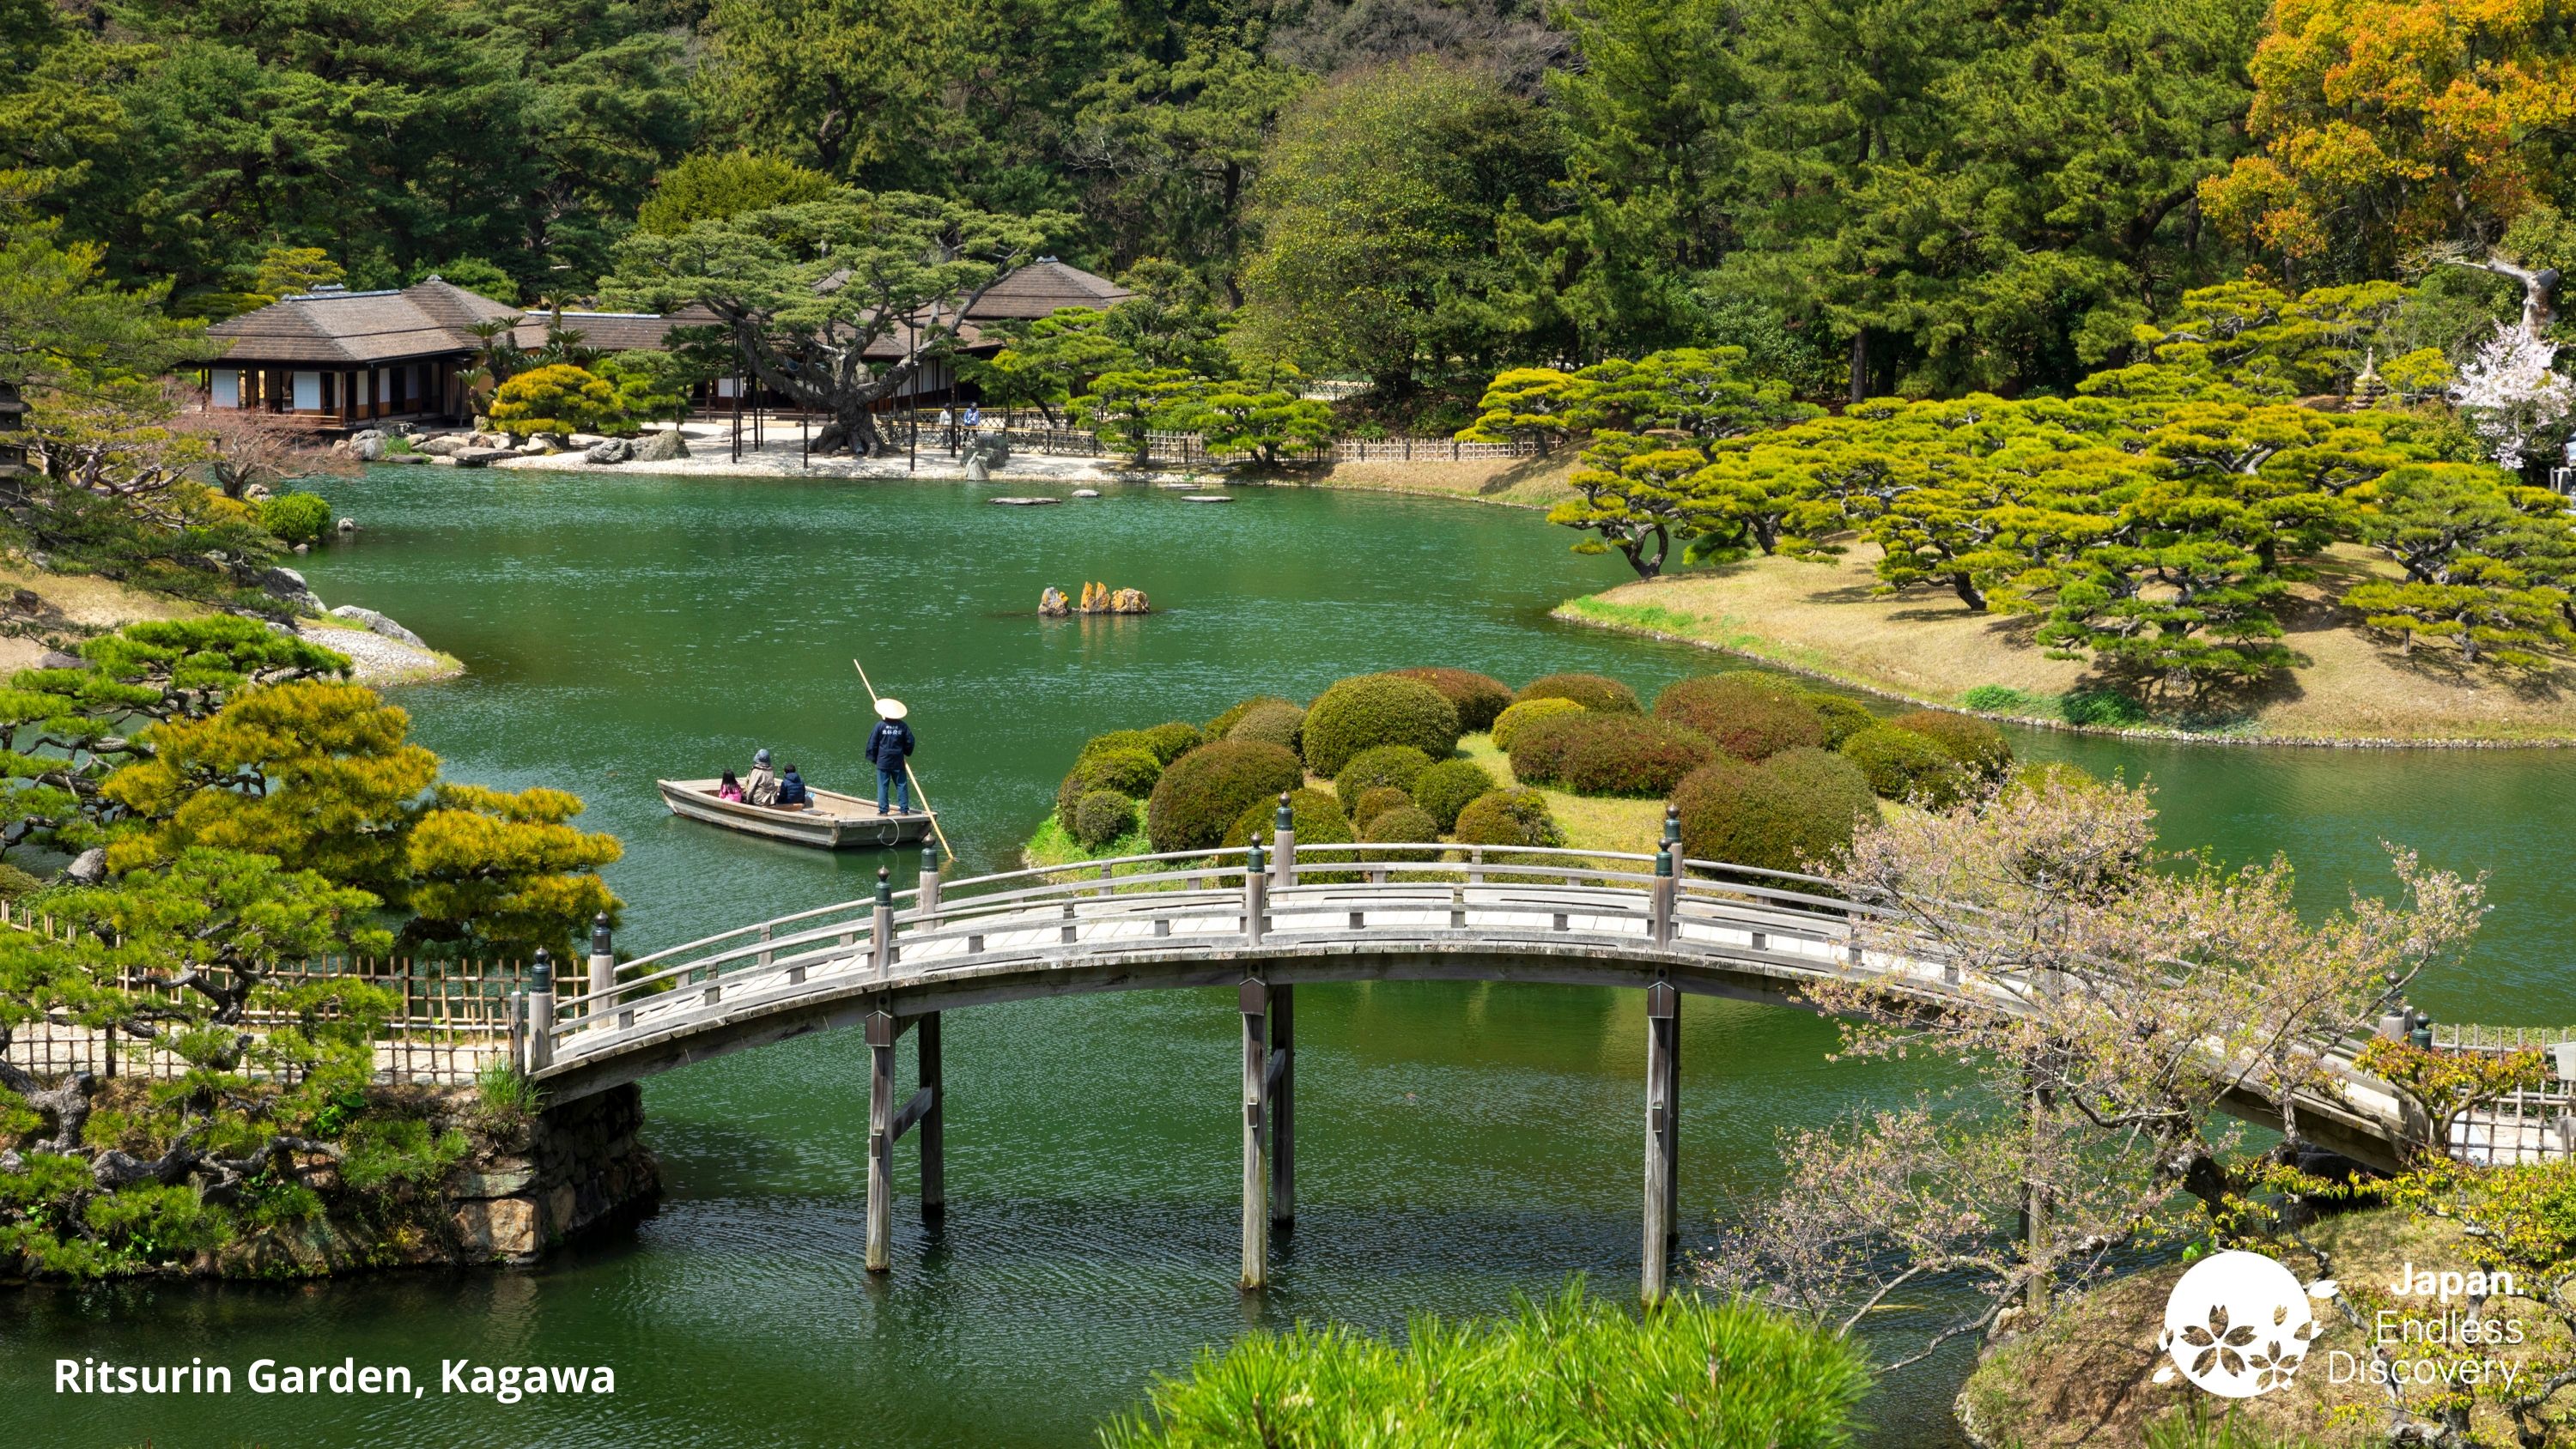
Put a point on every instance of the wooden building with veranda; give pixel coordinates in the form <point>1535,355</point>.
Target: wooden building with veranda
<point>337,359</point>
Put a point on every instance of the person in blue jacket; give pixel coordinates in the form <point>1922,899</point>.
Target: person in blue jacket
<point>889,745</point>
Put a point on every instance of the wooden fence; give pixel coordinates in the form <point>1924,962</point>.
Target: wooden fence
<point>451,1018</point>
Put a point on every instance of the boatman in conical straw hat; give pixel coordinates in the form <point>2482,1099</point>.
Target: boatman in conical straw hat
<point>889,745</point>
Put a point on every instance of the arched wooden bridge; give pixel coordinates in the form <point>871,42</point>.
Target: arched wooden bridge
<point>1265,923</point>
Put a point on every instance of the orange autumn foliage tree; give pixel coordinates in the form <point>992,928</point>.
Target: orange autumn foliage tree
<point>2392,125</point>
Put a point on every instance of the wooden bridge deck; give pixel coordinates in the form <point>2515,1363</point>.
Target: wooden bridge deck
<point>1307,914</point>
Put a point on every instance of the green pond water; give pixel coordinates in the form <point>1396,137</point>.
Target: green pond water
<point>1457,1143</point>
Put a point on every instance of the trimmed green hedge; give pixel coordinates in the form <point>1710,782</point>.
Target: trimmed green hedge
<point>1903,765</point>
<point>1508,817</point>
<point>1223,725</point>
<point>295,517</point>
<point>1100,817</point>
<point>1129,772</point>
<point>1444,789</point>
<point>1171,741</point>
<point>1476,697</point>
<point>1509,724</point>
<point>1843,717</point>
<point>1596,692</point>
<point>1274,722</point>
<point>1377,709</point>
<point>1202,791</point>
<point>1830,777</point>
<point>1393,766</point>
<point>1318,820</point>
<point>1374,802</point>
<point>1609,754</point>
<point>1799,819</point>
<point>1121,740</point>
<point>1764,727</point>
<point>1401,823</point>
<point>1971,741</point>
<point>1745,712</point>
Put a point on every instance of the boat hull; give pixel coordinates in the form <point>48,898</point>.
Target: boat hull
<point>833,822</point>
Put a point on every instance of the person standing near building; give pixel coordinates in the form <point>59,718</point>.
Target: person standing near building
<point>890,747</point>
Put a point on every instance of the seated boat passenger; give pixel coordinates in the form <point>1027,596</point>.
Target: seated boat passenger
<point>762,786</point>
<point>728,788</point>
<point>791,790</point>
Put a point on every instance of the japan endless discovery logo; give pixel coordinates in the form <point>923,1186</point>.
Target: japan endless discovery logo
<point>2238,1324</point>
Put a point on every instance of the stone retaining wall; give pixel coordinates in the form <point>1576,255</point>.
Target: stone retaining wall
<point>575,1166</point>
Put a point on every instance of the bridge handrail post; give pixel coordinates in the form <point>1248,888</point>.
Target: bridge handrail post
<point>541,1013</point>
<point>881,926</point>
<point>1283,858</point>
<point>929,894</point>
<point>603,972</point>
<point>1256,881</point>
<point>1476,865</point>
<point>1667,895</point>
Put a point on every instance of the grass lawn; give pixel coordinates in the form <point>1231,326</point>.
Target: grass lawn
<point>1519,482</point>
<point>72,607</point>
<point>1928,647</point>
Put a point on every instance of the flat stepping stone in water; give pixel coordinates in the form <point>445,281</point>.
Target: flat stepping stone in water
<point>1207,498</point>
<point>1023,502</point>
<point>1086,493</point>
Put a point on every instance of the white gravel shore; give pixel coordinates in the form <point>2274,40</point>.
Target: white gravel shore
<point>782,456</point>
<point>378,660</point>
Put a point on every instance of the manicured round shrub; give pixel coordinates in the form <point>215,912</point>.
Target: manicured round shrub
<point>1704,701</point>
<point>1744,712</point>
<point>1223,725</point>
<point>1377,709</point>
<point>1829,777</point>
<point>1100,817</point>
<point>1374,802</point>
<point>1202,791</point>
<point>1121,740</point>
<point>295,517</point>
<point>1131,773</point>
<point>1476,697</point>
<point>1402,823</point>
<point>1394,766</point>
<point>1902,765</point>
<point>1508,817</point>
<point>1747,814</point>
<point>1275,722</point>
<point>1843,718</point>
<point>1610,754</point>
<point>1595,692</point>
<point>1765,727</point>
<point>1444,789</point>
<point>1971,741</point>
<point>1318,820</point>
<point>1173,740</point>
<point>1508,724</point>
<point>1538,746</point>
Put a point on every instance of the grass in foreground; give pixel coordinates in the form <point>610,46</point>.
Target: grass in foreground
<point>1571,1371</point>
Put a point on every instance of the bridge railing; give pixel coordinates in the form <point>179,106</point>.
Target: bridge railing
<point>1031,913</point>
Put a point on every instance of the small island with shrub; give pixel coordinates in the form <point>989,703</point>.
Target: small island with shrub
<point>1762,770</point>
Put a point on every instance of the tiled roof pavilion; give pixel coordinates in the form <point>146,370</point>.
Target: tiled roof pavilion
<point>336,356</point>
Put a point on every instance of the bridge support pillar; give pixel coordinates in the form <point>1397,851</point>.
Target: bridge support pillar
<point>1254,1000</point>
<point>1282,1093</point>
<point>934,1125</point>
<point>882,1034</point>
<point>1663,1106</point>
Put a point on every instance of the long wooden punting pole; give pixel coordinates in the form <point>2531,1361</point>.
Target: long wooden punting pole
<point>918,793</point>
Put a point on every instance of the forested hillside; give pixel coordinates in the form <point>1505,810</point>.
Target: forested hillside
<point>1920,196</point>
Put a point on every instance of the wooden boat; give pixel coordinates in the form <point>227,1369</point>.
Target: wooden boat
<point>833,822</point>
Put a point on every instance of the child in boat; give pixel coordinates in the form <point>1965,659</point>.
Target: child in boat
<point>791,790</point>
<point>728,788</point>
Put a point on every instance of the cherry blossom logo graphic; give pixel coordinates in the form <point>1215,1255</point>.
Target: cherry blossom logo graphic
<point>2238,1324</point>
